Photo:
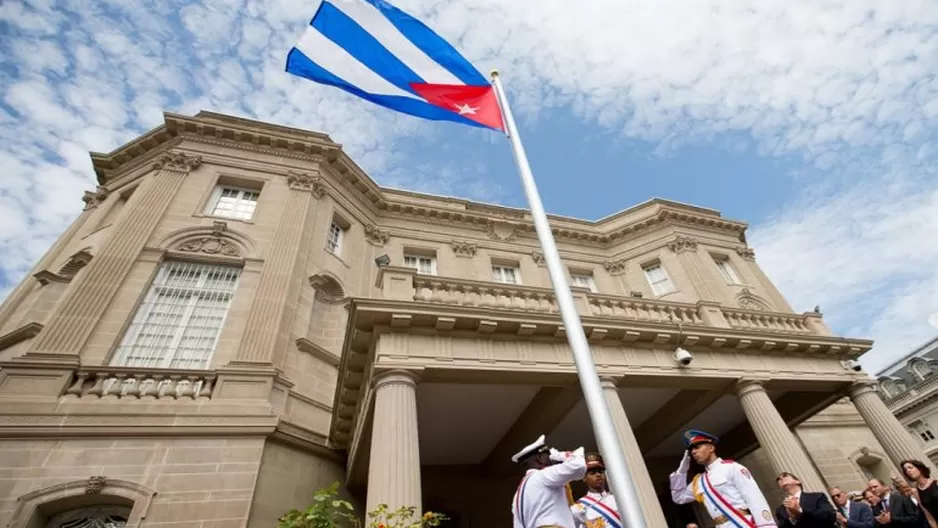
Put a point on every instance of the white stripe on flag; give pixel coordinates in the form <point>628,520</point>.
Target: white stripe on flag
<point>374,22</point>
<point>337,61</point>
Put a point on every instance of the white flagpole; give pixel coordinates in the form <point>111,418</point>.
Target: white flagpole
<point>604,429</point>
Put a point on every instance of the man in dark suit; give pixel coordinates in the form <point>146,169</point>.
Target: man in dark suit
<point>851,514</point>
<point>803,509</point>
<point>895,509</point>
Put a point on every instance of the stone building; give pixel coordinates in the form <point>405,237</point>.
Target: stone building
<point>240,316</point>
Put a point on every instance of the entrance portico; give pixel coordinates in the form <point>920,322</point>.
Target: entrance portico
<point>434,396</point>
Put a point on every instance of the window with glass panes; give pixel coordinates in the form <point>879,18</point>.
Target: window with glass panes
<point>727,271</point>
<point>584,280</point>
<point>334,239</point>
<point>231,202</point>
<point>178,323</point>
<point>506,274</point>
<point>424,265</point>
<point>658,279</point>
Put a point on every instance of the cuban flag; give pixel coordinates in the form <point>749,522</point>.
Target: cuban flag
<point>373,50</point>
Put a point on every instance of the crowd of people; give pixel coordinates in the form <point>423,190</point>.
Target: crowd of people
<point>726,489</point>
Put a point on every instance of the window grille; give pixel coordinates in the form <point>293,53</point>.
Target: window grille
<point>234,203</point>
<point>93,517</point>
<point>334,240</point>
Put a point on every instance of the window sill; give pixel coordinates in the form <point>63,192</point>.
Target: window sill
<point>224,218</point>
<point>340,259</point>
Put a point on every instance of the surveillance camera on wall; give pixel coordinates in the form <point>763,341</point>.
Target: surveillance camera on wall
<point>852,365</point>
<point>683,357</point>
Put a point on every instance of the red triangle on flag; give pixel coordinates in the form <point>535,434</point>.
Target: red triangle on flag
<point>477,103</point>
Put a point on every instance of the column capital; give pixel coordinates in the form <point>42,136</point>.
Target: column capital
<point>177,161</point>
<point>610,382</point>
<point>395,377</point>
<point>860,387</point>
<point>748,385</point>
<point>313,183</point>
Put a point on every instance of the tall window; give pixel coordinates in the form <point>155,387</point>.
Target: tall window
<point>727,271</point>
<point>584,280</point>
<point>423,264</point>
<point>231,202</point>
<point>923,431</point>
<point>334,239</point>
<point>506,274</point>
<point>658,279</point>
<point>181,317</point>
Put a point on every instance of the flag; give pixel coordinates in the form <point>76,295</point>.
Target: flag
<point>373,50</point>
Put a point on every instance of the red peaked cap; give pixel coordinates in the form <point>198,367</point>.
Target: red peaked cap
<point>694,437</point>
<point>594,460</point>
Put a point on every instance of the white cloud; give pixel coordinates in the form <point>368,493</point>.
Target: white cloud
<point>848,85</point>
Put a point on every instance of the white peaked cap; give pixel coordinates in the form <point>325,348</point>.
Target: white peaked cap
<point>531,448</point>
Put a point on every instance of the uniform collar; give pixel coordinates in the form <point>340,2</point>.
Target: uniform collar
<point>596,494</point>
<point>716,461</point>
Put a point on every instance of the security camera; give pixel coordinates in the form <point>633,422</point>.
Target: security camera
<point>683,357</point>
<point>852,365</point>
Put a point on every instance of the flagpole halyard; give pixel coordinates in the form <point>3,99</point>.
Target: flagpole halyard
<point>604,429</point>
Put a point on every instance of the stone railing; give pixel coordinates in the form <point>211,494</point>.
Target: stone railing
<point>136,383</point>
<point>637,309</point>
<point>766,321</point>
<point>921,389</point>
<point>462,292</point>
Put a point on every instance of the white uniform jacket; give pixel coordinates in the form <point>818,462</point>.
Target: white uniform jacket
<point>541,499</point>
<point>729,493</point>
<point>597,510</point>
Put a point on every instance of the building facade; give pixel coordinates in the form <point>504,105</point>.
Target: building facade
<point>241,316</point>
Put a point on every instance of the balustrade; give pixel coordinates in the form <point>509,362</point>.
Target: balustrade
<point>483,294</point>
<point>636,309</point>
<point>134,383</point>
<point>766,321</point>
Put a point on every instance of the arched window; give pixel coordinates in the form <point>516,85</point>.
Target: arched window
<point>920,368</point>
<point>94,517</point>
<point>889,388</point>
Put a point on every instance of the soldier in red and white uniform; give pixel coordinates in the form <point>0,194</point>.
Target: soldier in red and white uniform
<point>725,488</point>
<point>541,499</point>
<point>596,509</point>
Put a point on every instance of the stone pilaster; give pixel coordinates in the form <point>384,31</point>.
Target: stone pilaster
<point>266,330</point>
<point>19,294</point>
<point>686,250</point>
<point>894,438</point>
<point>641,480</point>
<point>784,451</point>
<point>89,295</point>
<point>394,467</point>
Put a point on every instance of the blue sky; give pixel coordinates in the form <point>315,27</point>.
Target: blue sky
<point>814,121</point>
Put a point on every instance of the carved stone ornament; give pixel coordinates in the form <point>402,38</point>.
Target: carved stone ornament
<point>211,245</point>
<point>682,243</point>
<point>746,253</point>
<point>503,231</point>
<point>538,258</point>
<point>375,236</point>
<point>301,181</point>
<point>177,161</point>
<point>95,485</point>
<point>615,267</point>
<point>749,301</point>
<point>94,199</point>
<point>463,249</point>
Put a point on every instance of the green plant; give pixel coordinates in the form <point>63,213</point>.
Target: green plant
<point>327,511</point>
<point>403,518</point>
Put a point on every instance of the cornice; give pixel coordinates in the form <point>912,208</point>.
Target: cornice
<point>27,331</point>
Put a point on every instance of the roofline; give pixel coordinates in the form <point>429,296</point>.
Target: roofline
<point>928,346</point>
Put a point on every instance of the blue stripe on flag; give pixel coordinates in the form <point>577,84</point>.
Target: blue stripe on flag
<point>431,44</point>
<point>300,65</point>
<point>347,34</point>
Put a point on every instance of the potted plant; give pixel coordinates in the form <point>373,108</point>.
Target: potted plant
<point>330,511</point>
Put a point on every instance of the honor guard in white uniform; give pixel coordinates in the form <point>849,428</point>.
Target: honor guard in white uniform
<point>725,488</point>
<point>596,509</point>
<point>541,498</point>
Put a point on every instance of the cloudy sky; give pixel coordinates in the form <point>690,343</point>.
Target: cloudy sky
<point>815,121</point>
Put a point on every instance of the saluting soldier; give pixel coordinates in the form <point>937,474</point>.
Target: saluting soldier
<point>541,498</point>
<point>725,488</point>
<point>596,509</point>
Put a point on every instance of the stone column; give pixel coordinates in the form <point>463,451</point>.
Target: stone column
<point>641,480</point>
<point>394,467</point>
<point>894,438</point>
<point>19,294</point>
<point>686,250</point>
<point>784,451</point>
<point>90,293</point>
<point>266,330</point>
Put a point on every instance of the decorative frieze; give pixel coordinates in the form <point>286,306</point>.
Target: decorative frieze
<point>177,161</point>
<point>747,300</point>
<point>94,199</point>
<point>682,243</point>
<point>502,231</point>
<point>538,258</point>
<point>615,267</point>
<point>746,252</point>
<point>375,236</point>
<point>211,245</point>
<point>463,248</point>
<point>301,181</point>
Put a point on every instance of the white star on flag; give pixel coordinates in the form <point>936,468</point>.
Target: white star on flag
<point>465,109</point>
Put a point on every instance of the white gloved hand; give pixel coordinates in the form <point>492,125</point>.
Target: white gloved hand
<point>685,463</point>
<point>563,456</point>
